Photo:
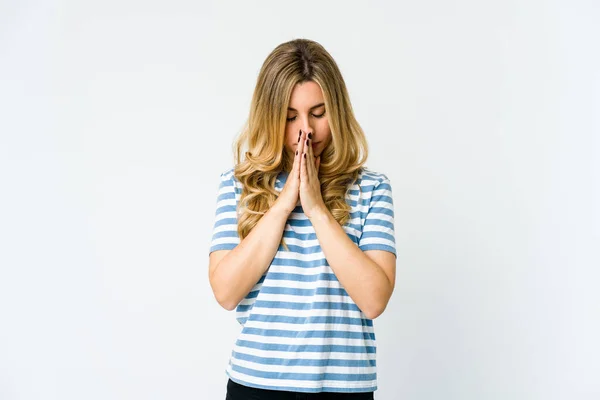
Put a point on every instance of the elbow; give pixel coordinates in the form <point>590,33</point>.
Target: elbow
<point>226,302</point>
<point>222,297</point>
<point>221,289</point>
<point>379,303</point>
<point>377,307</point>
<point>375,311</point>
<point>228,306</point>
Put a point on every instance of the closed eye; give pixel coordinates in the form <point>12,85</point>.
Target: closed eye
<point>316,116</point>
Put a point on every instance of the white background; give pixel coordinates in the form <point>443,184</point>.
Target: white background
<point>117,118</point>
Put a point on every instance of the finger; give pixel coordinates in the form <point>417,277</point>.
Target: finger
<point>303,161</point>
<point>310,156</point>
<point>295,166</point>
<point>298,156</point>
<point>301,143</point>
<point>318,163</point>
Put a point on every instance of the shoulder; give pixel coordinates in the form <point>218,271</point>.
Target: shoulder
<point>370,179</point>
<point>229,182</point>
<point>229,177</point>
<point>228,173</point>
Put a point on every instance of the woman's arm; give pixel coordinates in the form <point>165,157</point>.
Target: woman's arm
<point>368,276</point>
<point>233,273</point>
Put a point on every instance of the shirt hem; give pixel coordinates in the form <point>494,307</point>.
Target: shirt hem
<point>303,389</point>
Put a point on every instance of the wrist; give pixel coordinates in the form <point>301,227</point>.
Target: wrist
<point>278,208</point>
<point>319,214</point>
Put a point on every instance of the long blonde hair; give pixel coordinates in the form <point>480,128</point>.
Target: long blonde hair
<point>290,63</point>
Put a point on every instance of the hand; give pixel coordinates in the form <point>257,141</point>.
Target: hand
<point>288,197</point>
<point>310,187</point>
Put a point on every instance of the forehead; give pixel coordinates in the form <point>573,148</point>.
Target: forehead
<point>306,95</point>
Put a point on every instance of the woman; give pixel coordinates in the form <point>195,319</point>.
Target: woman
<point>303,244</point>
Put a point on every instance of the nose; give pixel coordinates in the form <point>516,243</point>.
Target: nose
<point>309,131</point>
<point>306,127</point>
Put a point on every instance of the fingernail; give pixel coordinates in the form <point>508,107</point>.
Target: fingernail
<point>307,142</point>
<point>300,132</point>
<point>296,152</point>
<point>298,140</point>
<point>310,135</point>
<point>304,155</point>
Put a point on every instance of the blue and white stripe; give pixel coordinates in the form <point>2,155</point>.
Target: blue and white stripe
<point>301,331</point>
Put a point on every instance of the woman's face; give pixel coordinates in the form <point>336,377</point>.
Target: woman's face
<point>306,111</point>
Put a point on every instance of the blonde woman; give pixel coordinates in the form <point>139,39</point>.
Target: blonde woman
<point>303,244</point>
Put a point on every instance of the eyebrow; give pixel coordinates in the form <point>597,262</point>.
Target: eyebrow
<point>313,107</point>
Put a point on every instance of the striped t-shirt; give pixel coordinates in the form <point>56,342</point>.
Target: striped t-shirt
<point>301,331</point>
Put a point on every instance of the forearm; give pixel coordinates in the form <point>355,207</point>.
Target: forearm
<point>366,283</point>
<point>237,273</point>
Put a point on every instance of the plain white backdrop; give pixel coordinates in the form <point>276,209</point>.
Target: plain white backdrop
<point>117,117</point>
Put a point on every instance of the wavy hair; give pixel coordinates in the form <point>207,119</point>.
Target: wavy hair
<point>263,134</point>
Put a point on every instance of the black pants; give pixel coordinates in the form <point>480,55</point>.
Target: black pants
<point>235,391</point>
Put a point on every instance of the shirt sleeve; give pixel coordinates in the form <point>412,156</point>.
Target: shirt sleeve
<point>378,230</point>
<point>224,234</point>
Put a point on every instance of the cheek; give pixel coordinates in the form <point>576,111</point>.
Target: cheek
<point>323,128</point>
<point>324,125</point>
<point>289,135</point>
<point>291,138</point>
